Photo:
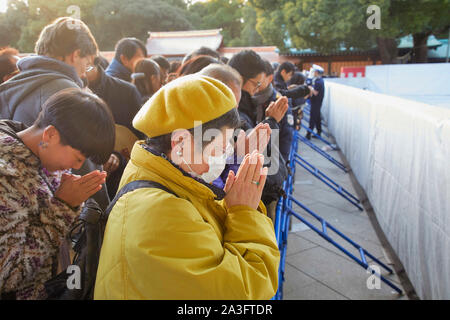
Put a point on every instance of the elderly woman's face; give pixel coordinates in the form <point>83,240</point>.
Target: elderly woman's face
<point>196,158</point>
<point>55,156</point>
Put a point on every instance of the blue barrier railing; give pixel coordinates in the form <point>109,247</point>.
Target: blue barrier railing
<point>297,136</point>
<point>332,146</point>
<point>328,181</point>
<point>283,216</point>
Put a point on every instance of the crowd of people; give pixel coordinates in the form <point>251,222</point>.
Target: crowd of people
<point>75,126</point>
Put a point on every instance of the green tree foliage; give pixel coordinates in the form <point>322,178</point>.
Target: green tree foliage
<point>223,14</point>
<point>249,34</point>
<point>11,23</point>
<point>323,25</point>
<point>237,20</point>
<point>43,12</point>
<point>109,20</point>
<point>116,19</point>
<point>327,25</point>
<point>421,19</point>
<point>272,28</point>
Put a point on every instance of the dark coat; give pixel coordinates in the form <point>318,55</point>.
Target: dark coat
<point>123,99</point>
<point>117,70</point>
<point>281,87</point>
<point>273,188</point>
<point>285,125</point>
<point>22,97</point>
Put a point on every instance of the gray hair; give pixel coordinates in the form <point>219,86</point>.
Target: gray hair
<point>223,73</point>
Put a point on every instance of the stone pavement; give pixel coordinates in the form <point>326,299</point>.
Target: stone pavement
<point>315,269</point>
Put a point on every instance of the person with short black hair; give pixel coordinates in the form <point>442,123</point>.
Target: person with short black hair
<point>298,79</point>
<point>128,51</point>
<point>202,51</point>
<point>286,70</point>
<point>174,66</point>
<point>66,51</point>
<point>282,76</point>
<point>164,67</point>
<point>252,69</point>
<point>265,96</point>
<point>196,64</point>
<point>147,78</point>
<point>8,61</point>
<point>39,198</point>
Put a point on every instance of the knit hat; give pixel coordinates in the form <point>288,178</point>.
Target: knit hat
<point>181,102</point>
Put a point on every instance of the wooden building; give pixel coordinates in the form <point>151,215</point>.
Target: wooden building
<point>331,63</point>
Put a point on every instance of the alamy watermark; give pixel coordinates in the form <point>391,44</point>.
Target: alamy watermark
<point>217,141</point>
<point>74,278</point>
<point>374,20</point>
<point>75,13</point>
<point>374,280</point>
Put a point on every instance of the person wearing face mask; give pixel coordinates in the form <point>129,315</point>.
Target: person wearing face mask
<point>190,240</point>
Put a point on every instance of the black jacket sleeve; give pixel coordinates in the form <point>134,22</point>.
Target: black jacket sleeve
<point>296,93</point>
<point>122,98</point>
<point>272,123</point>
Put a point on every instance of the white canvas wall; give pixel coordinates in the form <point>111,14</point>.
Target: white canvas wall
<point>399,151</point>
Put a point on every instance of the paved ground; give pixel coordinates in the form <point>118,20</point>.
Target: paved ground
<point>315,269</point>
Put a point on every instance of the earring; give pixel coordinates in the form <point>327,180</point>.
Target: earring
<point>43,144</point>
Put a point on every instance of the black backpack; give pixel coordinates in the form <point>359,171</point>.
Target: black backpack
<point>87,237</point>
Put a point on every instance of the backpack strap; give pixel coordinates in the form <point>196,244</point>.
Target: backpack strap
<point>134,185</point>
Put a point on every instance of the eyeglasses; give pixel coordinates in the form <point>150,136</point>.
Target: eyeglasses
<point>89,68</point>
<point>257,84</point>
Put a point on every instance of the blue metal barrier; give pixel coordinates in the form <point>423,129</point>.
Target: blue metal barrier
<point>324,234</point>
<point>298,136</point>
<point>332,146</point>
<point>282,220</point>
<point>328,181</point>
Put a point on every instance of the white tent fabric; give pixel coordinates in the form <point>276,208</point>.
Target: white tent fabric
<point>427,83</point>
<point>399,151</point>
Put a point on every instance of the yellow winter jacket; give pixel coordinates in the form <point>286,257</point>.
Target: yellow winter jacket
<point>159,246</point>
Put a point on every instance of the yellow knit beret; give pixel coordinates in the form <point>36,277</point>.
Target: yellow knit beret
<point>181,102</point>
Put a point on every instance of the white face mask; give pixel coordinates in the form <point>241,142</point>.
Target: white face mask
<point>216,166</point>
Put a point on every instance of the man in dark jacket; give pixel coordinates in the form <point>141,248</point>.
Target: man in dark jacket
<point>283,76</point>
<point>59,64</point>
<point>124,101</point>
<point>122,97</point>
<point>64,53</point>
<point>40,77</point>
<point>128,52</point>
<point>252,69</point>
<point>263,99</point>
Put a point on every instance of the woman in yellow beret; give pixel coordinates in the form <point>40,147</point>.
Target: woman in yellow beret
<point>189,239</point>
